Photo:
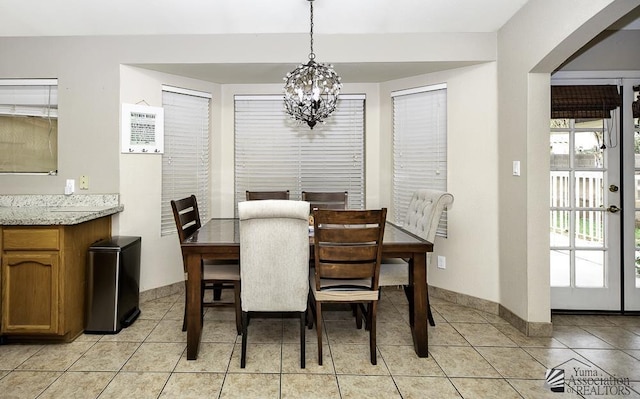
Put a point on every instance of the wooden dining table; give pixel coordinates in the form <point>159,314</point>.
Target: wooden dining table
<point>220,239</point>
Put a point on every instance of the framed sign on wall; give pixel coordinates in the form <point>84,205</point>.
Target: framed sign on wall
<point>142,129</point>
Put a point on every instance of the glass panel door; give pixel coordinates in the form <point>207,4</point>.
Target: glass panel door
<point>631,123</point>
<point>584,171</point>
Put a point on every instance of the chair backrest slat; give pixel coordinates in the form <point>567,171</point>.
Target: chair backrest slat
<point>348,244</point>
<point>326,200</point>
<point>345,253</point>
<point>267,195</point>
<point>186,216</point>
<point>353,271</point>
<point>357,234</point>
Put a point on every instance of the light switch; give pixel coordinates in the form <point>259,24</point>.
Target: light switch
<point>84,182</point>
<point>516,168</point>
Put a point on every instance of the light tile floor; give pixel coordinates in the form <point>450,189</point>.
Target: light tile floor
<point>472,355</point>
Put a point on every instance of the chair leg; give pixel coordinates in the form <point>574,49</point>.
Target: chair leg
<point>243,354</point>
<point>357,311</point>
<point>319,330</point>
<point>310,313</point>
<point>309,318</point>
<point>202,291</point>
<point>432,322</point>
<point>184,318</point>
<point>303,327</point>
<point>372,331</point>
<point>217,292</point>
<point>238,306</point>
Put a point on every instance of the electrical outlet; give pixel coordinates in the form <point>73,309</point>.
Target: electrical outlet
<point>442,262</point>
<point>84,182</point>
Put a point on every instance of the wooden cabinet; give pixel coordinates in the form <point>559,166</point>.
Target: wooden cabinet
<point>44,278</point>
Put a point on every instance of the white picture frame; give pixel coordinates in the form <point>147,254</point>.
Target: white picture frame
<point>142,129</point>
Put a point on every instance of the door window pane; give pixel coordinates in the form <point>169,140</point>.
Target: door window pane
<point>560,268</point>
<point>637,264</point>
<point>587,150</point>
<point>560,187</point>
<point>589,188</point>
<point>559,143</point>
<point>589,229</point>
<point>637,207</point>
<point>560,224</point>
<point>589,266</point>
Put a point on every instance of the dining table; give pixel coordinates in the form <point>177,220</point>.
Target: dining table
<point>219,238</point>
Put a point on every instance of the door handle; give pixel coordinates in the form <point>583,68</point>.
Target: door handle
<point>613,209</point>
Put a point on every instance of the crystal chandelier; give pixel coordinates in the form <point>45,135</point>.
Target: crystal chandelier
<point>311,90</point>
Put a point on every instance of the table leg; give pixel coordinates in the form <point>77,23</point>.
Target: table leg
<point>194,305</point>
<point>418,307</point>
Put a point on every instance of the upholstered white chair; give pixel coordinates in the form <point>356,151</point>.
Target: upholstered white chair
<point>274,259</point>
<point>422,218</point>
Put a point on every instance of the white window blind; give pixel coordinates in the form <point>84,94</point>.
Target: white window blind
<point>273,153</point>
<point>29,126</point>
<point>185,162</point>
<point>29,97</point>
<point>419,146</point>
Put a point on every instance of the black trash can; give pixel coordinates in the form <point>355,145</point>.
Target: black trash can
<point>113,284</point>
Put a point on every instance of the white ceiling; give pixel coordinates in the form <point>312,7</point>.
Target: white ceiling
<point>151,17</point>
<point>173,17</point>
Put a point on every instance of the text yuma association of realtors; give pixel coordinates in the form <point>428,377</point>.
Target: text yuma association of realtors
<point>588,382</point>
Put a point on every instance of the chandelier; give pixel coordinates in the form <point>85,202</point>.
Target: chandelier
<point>311,90</point>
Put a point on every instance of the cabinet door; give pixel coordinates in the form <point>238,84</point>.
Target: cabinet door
<point>30,295</point>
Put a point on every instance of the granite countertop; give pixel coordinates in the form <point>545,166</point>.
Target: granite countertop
<point>30,210</point>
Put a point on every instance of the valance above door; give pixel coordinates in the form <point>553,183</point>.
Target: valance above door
<point>583,102</point>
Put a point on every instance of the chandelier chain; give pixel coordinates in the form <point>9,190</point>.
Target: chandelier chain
<point>312,56</point>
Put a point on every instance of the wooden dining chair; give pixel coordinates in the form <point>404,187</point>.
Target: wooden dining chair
<point>216,275</point>
<point>274,251</point>
<point>326,200</point>
<point>265,195</point>
<point>347,251</point>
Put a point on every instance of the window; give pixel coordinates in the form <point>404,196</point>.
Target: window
<point>274,153</point>
<point>419,146</point>
<point>185,162</point>
<point>29,126</point>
